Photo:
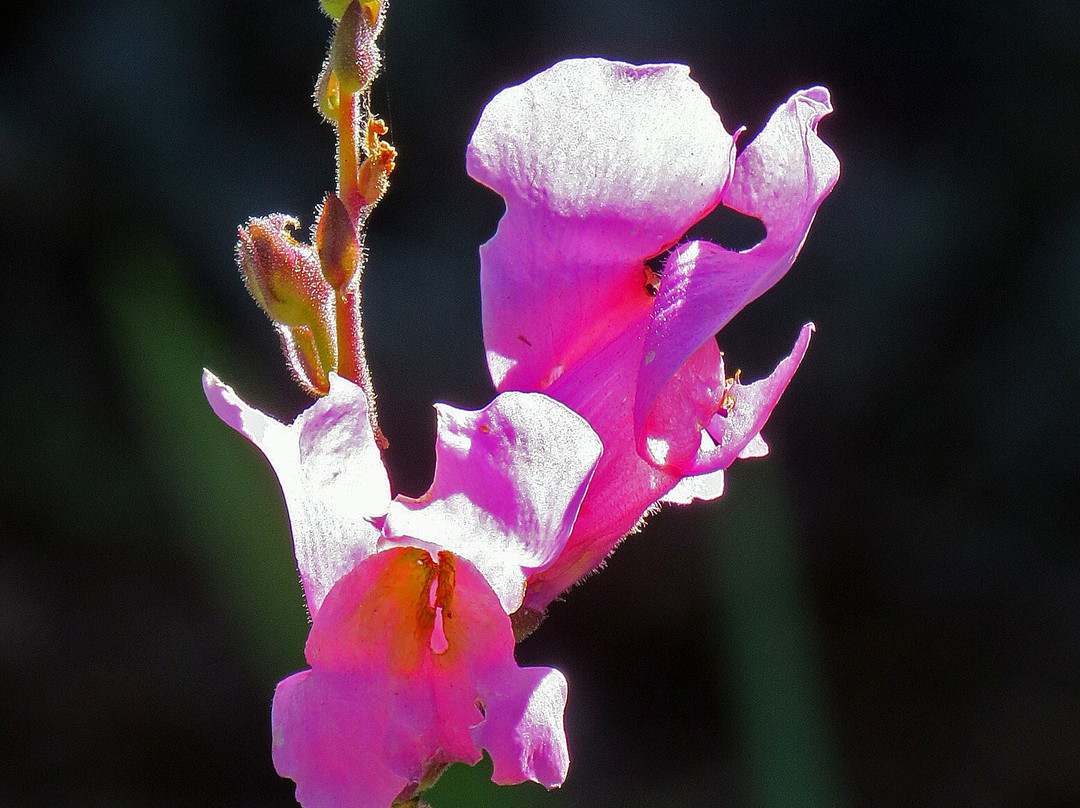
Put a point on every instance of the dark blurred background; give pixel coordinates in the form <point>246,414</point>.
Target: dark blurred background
<point>885,612</point>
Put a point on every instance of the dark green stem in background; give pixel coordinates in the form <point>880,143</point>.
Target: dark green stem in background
<point>775,683</point>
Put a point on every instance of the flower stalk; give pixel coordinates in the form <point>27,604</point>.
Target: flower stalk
<point>612,398</point>
<point>312,292</point>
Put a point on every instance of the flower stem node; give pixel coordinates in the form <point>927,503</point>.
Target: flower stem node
<point>354,56</point>
<point>339,248</point>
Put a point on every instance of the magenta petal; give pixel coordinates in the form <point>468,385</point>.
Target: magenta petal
<point>324,727</point>
<point>738,434</point>
<point>509,480</point>
<point>624,486</point>
<point>331,475</point>
<point>381,710</point>
<point>602,165</point>
<point>525,736</point>
<point>780,178</point>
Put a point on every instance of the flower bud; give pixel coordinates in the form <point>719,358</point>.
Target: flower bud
<point>282,274</point>
<point>302,353</point>
<point>354,57</point>
<point>336,240</point>
<point>328,93</point>
<point>335,8</point>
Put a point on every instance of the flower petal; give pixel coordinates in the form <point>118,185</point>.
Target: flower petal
<point>781,178</point>
<point>330,472</point>
<point>381,710</point>
<point>624,487</point>
<point>705,487</point>
<point>509,480</point>
<point>602,165</point>
<point>525,735</point>
<point>738,434</point>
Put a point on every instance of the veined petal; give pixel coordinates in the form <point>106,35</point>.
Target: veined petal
<point>509,480</point>
<point>331,475</point>
<point>781,178</point>
<point>384,707</point>
<point>602,165</point>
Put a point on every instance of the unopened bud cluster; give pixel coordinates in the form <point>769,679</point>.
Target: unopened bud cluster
<point>311,290</point>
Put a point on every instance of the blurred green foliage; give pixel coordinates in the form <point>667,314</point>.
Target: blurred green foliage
<point>217,483</point>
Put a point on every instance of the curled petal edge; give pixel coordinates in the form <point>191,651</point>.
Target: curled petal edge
<point>738,434</point>
<point>781,178</point>
<point>331,475</point>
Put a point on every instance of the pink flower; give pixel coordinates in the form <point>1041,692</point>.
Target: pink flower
<point>604,165</point>
<point>411,648</point>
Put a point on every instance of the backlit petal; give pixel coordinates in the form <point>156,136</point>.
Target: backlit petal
<point>602,165</point>
<point>331,475</point>
<point>509,480</point>
<point>781,178</point>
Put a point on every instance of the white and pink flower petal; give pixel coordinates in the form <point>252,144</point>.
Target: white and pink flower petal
<point>602,165</point>
<point>331,474</point>
<point>736,431</point>
<point>509,480</point>
<point>780,178</point>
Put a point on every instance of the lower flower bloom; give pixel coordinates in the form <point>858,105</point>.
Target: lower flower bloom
<point>412,668</point>
<point>411,646</point>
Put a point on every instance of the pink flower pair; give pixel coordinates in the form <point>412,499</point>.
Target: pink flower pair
<point>603,166</point>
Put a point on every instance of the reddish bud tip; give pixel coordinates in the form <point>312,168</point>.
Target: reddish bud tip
<point>282,274</point>
<point>336,240</point>
<point>374,174</point>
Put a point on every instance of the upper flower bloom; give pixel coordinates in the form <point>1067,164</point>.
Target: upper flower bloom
<point>411,648</point>
<point>604,165</point>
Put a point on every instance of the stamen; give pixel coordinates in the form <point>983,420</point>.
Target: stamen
<point>727,403</point>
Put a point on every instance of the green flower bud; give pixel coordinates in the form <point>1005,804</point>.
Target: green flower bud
<point>354,56</point>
